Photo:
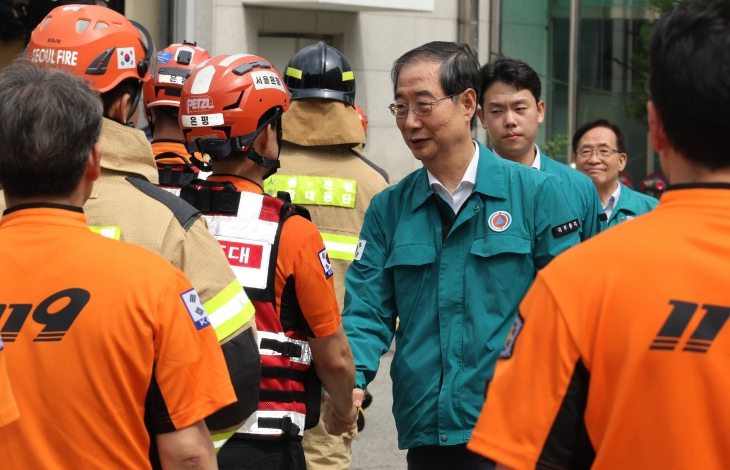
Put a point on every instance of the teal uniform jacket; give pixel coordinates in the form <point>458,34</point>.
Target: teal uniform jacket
<point>456,298</point>
<point>631,204</point>
<point>581,193</point>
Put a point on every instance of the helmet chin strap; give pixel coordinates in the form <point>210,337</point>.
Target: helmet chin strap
<point>135,103</point>
<point>273,165</point>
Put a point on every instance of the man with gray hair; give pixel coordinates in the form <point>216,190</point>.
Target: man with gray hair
<point>110,321</point>
<point>450,250</point>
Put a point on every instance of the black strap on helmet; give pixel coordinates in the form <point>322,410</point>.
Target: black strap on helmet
<point>218,149</point>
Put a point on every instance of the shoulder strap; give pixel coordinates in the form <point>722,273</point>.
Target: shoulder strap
<point>185,214</point>
<point>372,165</point>
<point>212,197</point>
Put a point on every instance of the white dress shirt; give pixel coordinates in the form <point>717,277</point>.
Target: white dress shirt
<point>465,187</point>
<point>612,201</point>
<point>537,161</point>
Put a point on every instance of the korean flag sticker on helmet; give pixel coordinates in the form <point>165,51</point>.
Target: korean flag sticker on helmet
<point>324,259</point>
<point>125,58</point>
<point>197,312</point>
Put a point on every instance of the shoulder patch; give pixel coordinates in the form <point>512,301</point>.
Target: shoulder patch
<point>185,214</point>
<point>324,259</point>
<point>360,249</point>
<point>509,346</point>
<point>195,308</point>
<point>566,228</point>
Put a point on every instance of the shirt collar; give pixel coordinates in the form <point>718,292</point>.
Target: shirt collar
<point>613,199</point>
<point>470,175</point>
<point>489,179</point>
<point>536,164</point>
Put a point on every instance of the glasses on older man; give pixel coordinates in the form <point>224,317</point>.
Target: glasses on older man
<point>602,152</point>
<point>420,108</point>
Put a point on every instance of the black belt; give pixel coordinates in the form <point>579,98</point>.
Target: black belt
<point>286,348</point>
<point>285,424</point>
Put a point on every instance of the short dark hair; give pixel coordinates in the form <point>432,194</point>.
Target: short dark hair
<point>49,121</point>
<point>459,65</point>
<point>166,116</point>
<point>690,65</point>
<point>128,86</point>
<point>512,72</point>
<point>620,137</point>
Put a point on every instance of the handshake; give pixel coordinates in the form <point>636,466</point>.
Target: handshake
<point>342,417</point>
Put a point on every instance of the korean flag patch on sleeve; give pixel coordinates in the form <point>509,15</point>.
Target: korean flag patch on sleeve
<point>197,312</point>
<point>324,259</point>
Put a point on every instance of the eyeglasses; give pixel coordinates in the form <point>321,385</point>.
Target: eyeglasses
<point>420,108</point>
<point>602,152</point>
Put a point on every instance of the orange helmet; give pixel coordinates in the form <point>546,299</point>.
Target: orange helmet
<point>176,62</point>
<point>94,42</point>
<point>223,101</point>
<point>363,118</point>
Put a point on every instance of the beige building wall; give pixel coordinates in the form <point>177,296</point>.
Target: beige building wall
<point>370,40</point>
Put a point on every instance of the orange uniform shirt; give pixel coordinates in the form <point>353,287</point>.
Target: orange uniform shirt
<point>626,337</point>
<point>8,408</point>
<point>298,264</point>
<point>88,323</point>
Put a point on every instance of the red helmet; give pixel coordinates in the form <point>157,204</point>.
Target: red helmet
<point>363,118</point>
<point>223,101</point>
<point>176,62</point>
<point>94,42</point>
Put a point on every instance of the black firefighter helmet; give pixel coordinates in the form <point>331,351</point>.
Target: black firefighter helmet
<point>320,71</point>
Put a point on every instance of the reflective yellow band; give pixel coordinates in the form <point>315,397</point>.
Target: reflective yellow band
<point>108,231</point>
<point>296,73</point>
<point>314,190</point>
<point>220,439</point>
<point>340,246</point>
<point>229,310</point>
<point>346,76</point>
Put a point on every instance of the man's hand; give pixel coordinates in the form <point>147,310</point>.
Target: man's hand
<point>337,421</point>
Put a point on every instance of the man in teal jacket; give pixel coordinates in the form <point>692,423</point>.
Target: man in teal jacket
<point>450,251</point>
<point>599,149</point>
<point>511,113</point>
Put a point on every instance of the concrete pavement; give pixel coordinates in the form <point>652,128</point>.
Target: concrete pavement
<point>376,448</point>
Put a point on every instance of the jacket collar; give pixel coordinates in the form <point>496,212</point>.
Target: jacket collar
<point>489,182</point>
<point>127,150</point>
<point>624,201</point>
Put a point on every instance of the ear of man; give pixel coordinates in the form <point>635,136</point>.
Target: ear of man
<point>468,104</point>
<point>120,108</point>
<point>263,140</point>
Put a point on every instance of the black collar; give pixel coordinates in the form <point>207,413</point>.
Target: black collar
<point>699,186</point>
<point>43,205</point>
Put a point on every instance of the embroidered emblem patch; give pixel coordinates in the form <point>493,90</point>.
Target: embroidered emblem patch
<point>500,221</point>
<point>566,228</point>
<point>509,346</point>
<point>326,264</point>
<point>360,249</point>
<point>197,312</point>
